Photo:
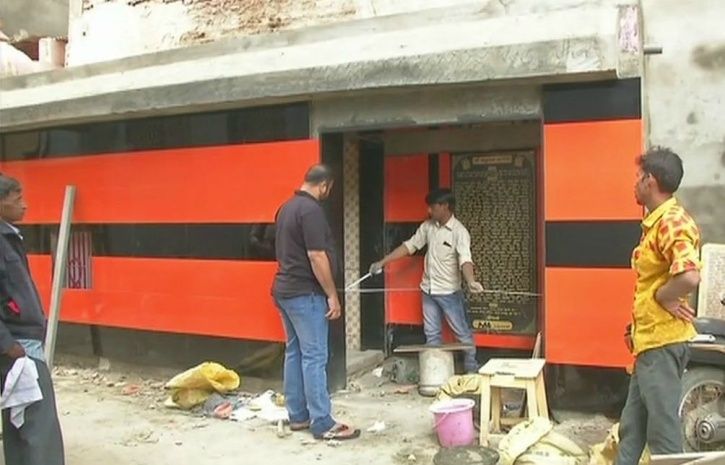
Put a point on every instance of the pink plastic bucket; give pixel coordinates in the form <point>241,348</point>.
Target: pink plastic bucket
<point>454,422</point>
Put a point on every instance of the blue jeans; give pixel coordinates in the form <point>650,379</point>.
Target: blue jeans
<point>453,307</point>
<point>305,362</point>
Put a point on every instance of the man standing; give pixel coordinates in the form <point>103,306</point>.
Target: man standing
<point>305,293</point>
<point>667,265</point>
<point>22,331</point>
<point>448,255</point>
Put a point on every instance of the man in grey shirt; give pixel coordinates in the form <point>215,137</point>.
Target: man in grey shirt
<point>448,257</point>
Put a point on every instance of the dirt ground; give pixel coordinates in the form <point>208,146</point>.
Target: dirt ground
<point>105,421</point>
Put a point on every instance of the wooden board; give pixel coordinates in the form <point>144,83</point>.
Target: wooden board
<point>694,458</point>
<point>712,284</point>
<point>422,347</point>
<point>517,367</point>
<point>711,347</point>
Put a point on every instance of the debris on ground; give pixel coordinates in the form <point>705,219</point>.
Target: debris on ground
<point>378,372</point>
<point>466,455</point>
<point>130,389</point>
<point>143,437</point>
<point>605,452</point>
<point>378,427</point>
<point>405,370</point>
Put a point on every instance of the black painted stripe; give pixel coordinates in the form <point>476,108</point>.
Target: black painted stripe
<point>591,244</point>
<point>433,171</point>
<point>248,125</point>
<point>608,100</point>
<point>398,232</point>
<point>372,241</point>
<point>254,242</point>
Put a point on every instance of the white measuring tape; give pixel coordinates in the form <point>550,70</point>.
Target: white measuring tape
<point>417,289</point>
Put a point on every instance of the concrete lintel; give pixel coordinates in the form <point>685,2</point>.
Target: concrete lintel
<point>485,138</point>
<point>425,107</point>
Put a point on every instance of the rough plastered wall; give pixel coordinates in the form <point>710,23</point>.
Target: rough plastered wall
<point>17,16</point>
<point>102,30</point>
<point>684,100</point>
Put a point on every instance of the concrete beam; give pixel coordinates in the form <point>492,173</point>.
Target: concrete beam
<point>426,107</point>
<point>485,138</point>
<point>509,48</point>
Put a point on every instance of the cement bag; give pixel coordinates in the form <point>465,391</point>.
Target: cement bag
<point>605,452</point>
<point>553,449</point>
<point>521,437</point>
<point>463,387</point>
<point>195,385</point>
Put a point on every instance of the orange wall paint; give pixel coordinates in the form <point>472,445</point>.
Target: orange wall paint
<point>236,183</point>
<point>207,297</point>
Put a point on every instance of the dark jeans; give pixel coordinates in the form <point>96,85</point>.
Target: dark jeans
<point>651,414</point>
<point>39,441</point>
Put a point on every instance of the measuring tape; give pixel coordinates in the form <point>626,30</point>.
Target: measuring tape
<point>417,289</point>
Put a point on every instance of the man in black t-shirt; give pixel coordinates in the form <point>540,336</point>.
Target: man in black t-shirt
<point>305,293</point>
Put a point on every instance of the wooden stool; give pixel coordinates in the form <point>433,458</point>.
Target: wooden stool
<point>498,373</point>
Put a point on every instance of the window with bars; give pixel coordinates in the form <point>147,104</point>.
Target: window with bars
<point>79,273</point>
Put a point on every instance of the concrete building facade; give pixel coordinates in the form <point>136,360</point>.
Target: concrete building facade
<point>399,97</point>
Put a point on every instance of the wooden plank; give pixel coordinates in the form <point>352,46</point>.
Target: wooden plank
<point>59,272</point>
<point>520,368</point>
<point>485,410</point>
<point>711,347</point>
<point>496,406</point>
<point>692,458</point>
<point>422,347</point>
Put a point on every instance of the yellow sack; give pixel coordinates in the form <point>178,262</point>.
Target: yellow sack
<point>460,385</point>
<point>604,453</point>
<point>195,385</point>
<point>186,399</point>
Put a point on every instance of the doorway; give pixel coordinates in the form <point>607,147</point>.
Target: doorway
<point>493,169</point>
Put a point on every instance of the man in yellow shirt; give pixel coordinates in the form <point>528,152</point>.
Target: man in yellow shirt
<point>667,265</point>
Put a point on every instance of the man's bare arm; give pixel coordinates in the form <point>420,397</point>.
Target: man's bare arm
<point>470,276</point>
<point>671,294</point>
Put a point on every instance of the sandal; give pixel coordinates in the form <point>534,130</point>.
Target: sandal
<point>339,432</point>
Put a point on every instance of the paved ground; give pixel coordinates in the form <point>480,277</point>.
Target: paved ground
<point>103,424</point>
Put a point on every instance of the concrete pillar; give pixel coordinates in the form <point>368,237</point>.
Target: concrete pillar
<point>351,199</point>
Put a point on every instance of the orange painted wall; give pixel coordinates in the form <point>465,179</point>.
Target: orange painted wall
<point>406,185</point>
<point>589,175</point>
<point>236,183</point>
<point>207,297</point>
<point>586,312</point>
<point>589,170</point>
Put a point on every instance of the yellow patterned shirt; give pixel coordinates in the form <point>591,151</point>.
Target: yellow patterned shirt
<point>669,245</point>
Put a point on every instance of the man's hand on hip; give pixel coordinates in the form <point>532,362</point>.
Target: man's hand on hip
<point>334,308</point>
<point>681,310</point>
<point>628,341</point>
<point>15,351</point>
